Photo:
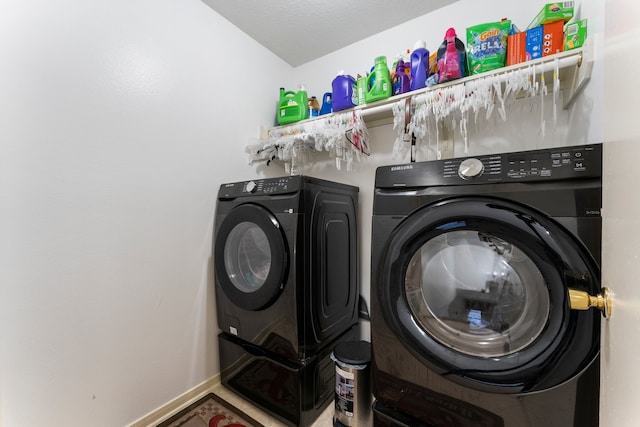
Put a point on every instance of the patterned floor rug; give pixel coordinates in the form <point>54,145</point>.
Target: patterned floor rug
<point>210,411</point>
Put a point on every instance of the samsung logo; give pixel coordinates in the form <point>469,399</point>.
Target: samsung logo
<point>401,168</point>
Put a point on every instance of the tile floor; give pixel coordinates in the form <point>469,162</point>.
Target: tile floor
<point>324,420</point>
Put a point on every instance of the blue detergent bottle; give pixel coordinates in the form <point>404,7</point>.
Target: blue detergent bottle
<point>419,66</point>
<point>327,104</point>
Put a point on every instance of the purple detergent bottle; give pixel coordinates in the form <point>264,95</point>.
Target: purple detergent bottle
<point>343,93</point>
<point>400,79</point>
<point>419,66</point>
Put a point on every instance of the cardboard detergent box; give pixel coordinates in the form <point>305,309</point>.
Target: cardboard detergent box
<point>559,11</point>
<point>543,40</point>
<point>575,33</point>
<point>516,48</point>
<point>553,40</point>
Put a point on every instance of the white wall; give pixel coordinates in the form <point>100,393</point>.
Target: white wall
<point>118,122</point>
<point>620,361</point>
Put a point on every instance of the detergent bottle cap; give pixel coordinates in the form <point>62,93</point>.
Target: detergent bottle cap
<point>381,60</point>
<point>420,44</point>
<point>403,56</point>
<point>451,33</point>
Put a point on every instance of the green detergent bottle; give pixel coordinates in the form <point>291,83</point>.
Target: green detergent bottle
<point>378,82</point>
<point>292,106</point>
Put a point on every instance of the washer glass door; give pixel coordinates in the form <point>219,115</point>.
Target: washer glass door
<point>477,289</point>
<point>477,293</point>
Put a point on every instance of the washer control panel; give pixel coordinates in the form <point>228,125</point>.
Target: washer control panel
<point>557,163</point>
<point>574,162</point>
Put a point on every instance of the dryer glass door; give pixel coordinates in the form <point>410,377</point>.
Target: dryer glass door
<point>247,256</point>
<point>251,257</point>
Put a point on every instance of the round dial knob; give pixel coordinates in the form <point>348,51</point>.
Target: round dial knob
<point>470,168</point>
<point>251,186</point>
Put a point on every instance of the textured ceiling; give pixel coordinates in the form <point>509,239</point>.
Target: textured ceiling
<point>300,31</point>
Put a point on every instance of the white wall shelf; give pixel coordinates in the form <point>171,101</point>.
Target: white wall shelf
<point>574,69</point>
<point>344,133</point>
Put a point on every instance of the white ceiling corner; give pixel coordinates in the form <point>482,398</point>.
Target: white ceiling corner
<point>300,31</point>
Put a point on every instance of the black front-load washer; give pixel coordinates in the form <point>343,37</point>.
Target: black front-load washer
<point>472,263</point>
<point>286,262</point>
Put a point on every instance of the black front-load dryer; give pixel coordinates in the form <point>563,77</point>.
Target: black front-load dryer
<point>285,259</point>
<point>473,260</point>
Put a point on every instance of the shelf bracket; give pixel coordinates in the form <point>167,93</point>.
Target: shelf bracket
<point>581,73</point>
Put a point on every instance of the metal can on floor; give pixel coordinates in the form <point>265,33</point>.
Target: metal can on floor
<point>353,384</point>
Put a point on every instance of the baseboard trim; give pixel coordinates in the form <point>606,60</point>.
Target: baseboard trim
<point>165,411</point>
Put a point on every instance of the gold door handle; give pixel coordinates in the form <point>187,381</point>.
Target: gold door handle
<point>580,300</point>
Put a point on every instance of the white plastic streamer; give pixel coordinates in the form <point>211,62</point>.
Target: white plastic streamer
<point>344,135</point>
<point>464,132</point>
<point>399,146</point>
<point>455,102</point>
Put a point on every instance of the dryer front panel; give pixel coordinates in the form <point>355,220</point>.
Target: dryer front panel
<point>477,289</point>
<point>251,257</point>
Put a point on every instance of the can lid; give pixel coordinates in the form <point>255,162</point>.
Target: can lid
<point>353,352</point>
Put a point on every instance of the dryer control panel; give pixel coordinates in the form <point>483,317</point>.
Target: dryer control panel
<point>260,187</point>
<point>584,161</point>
